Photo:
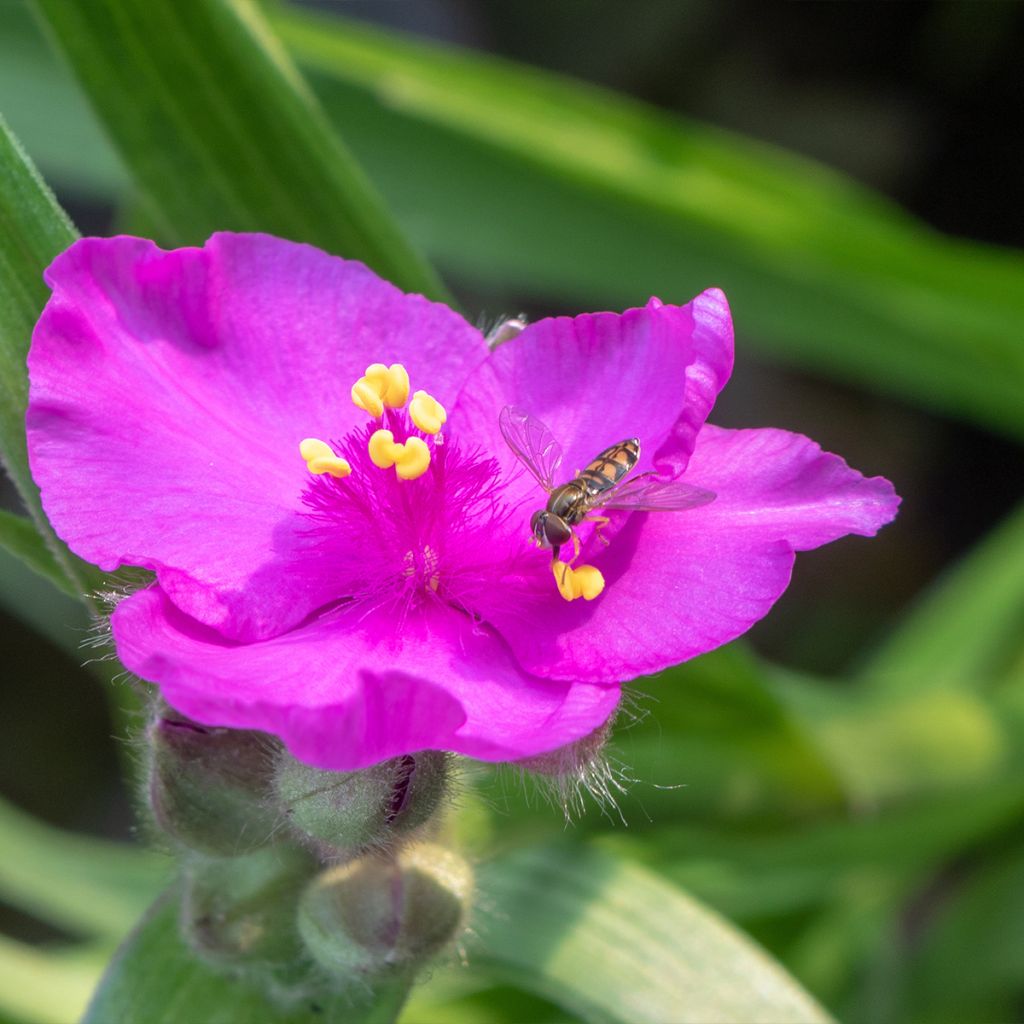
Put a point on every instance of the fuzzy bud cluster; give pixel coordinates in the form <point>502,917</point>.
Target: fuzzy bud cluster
<point>301,876</point>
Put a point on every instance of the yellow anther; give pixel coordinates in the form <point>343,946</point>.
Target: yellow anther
<point>397,393</point>
<point>411,460</point>
<point>320,458</point>
<point>427,412</point>
<point>384,452</point>
<point>590,581</point>
<point>381,386</point>
<point>365,396</point>
<point>414,459</point>
<point>584,581</point>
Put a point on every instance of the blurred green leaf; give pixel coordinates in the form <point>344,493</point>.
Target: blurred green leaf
<point>154,978</point>
<point>47,986</point>
<point>22,539</point>
<point>966,630</point>
<point>778,869</point>
<point>612,943</point>
<point>896,746</point>
<point>89,886</point>
<point>49,114</point>
<point>33,229</point>
<point>514,177</point>
<point>485,1005</point>
<point>982,912</point>
<point>220,131</point>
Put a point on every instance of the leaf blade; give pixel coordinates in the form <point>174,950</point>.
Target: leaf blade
<point>251,149</point>
<point>637,951</point>
<point>186,990</point>
<point>33,230</point>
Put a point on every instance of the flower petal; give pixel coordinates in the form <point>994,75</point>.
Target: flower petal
<point>673,590</point>
<point>777,484</point>
<point>680,584</point>
<point>356,687</point>
<point>600,378</point>
<point>705,376</point>
<point>170,391</point>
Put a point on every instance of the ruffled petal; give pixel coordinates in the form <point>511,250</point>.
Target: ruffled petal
<point>601,378</point>
<point>679,584</point>
<point>169,393</point>
<point>356,687</point>
<point>705,377</point>
<point>773,484</point>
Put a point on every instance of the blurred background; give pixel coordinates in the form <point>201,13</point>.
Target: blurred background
<point>848,787</point>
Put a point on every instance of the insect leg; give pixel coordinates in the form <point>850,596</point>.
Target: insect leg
<point>600,522</point>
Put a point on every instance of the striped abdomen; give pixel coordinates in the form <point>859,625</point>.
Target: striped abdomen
<point>610,467</point>
<point>573,500</point>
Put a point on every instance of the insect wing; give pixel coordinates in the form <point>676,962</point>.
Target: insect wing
<point>645,494</point>
<point>532,444</point>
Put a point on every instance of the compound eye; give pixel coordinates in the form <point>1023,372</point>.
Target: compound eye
<point>537,525</point>
<point>557,531</point>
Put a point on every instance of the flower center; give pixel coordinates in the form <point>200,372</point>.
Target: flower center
<point>401,510</point>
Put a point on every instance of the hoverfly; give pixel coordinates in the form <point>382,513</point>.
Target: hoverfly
<point>603,484</point>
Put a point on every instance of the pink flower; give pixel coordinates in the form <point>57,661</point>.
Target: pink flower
<point>363,616</point>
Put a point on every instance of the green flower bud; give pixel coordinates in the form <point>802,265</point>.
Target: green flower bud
<point>240,911</point>
<point>342,812</point>
<point>383,916</point>
<point>210,788</point>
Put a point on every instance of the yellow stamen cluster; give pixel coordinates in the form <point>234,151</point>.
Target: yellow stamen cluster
<point>388,387</point>
<point>320,458</point>
<point>410,459</point>
<point>384,387</point>
<point>584,581</point>
<point>381,387</point>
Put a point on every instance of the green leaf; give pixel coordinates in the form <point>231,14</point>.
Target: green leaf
<point>21,538</point>
<point>220,131</point>
<point>967,629</point>
<point>84,885</point>
<point>985,915</point>
<point>888,747</point>
<point>778,869</point>
<point>33,230</point>
<point>611,942</point>
<point>49,114</point>
<point>41,986</point>
<point>155,978</point>
<point>534,183</point>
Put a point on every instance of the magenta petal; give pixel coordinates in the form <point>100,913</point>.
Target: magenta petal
<point>680,584</point>
<point>354,688</point>
<point>673,590</point>
<point>595,380</point>
<point>170,390</point>
<point>773,484</point>
<point>705,376</point>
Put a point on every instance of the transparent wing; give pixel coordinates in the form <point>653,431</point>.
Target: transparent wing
<point>532,444</point>
<point>644,493</point>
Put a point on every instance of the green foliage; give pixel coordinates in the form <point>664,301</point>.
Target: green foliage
<point>183,990</point>
<point>612,943</point>
<point>552,187</point>
<point>33,229</point>
<point>251,149</point>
